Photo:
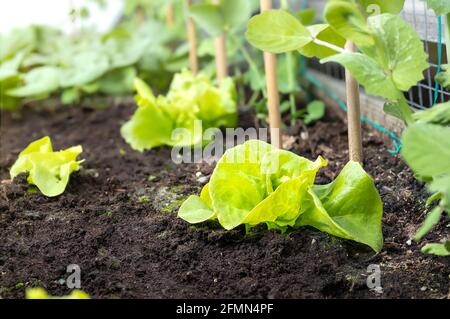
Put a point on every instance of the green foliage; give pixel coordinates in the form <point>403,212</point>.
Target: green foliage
<point>394,65</point>
<point>314,112</point>
<point>391,58</point>
<point>228,15</point>
<point>443,78</point>
<point>440,7</point>
<point>437,249</point>
<point>325,33</point>
<point>48,170</point>
<point>255,183</point>
<point>190,99</point>
<point>277,31</point>
<point>40,293</point>
<point>391,6</point>
<point>438,114</point>
<point>39,61</point>
<point>348,21</point>
<point>426,149</point>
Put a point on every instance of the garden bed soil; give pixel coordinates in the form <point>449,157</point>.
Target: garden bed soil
<point>118,221</point>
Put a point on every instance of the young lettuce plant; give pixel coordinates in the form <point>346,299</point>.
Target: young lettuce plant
<point>171,120</point>
<point>41,293</point>
<point>426,149</point>
<point>391,58</point>
<point>255,183</point>
<point>48,170</point>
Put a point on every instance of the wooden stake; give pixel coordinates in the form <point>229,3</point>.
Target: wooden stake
<point>221,55</point>
<point>192,38</point>
<point>270,65</point>
<point>170,15</point>
<point>354,113</point>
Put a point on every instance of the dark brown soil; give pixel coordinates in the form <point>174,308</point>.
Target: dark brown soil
<point>117,221</point>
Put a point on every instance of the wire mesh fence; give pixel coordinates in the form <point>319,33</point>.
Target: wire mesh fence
<point>426,24</point>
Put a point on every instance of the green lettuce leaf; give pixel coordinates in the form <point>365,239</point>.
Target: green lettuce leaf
<point>255,183</point>
<point>40,293</point>
<point>38,82</point>
<point>349,207</point>
<point>48,170</point>
<point>174,119</point>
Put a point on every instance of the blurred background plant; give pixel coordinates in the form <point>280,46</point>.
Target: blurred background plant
<point>39,61</point>
<point>81,51</point>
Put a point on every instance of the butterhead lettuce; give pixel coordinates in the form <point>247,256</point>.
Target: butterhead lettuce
<point>255,183</point>
<point>41,293</point>
<point>48,170</point>
<point>171,119</point>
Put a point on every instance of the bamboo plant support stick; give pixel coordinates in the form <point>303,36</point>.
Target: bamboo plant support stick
<point>270,65</point>
<point>221,55</point>
<point>192,38</point>
<point>354,113</point>
<point>170,15</point>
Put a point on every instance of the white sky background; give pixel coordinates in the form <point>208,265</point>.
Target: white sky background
<point>20,13</point>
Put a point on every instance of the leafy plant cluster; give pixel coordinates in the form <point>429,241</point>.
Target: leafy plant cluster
<point>48,170</point>
<point>391,57</point>
<point>41,293</point>
<point>255,183</point>
<point>190,99</point>
<point>426,149</point>
<point>39,61</point>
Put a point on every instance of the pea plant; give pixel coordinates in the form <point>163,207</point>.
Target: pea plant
<point>391,57</point>
<point>426,149</point>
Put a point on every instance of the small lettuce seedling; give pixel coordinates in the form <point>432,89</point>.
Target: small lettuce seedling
<point>48,170</point>
<point>190,99</point>
<point>40,293</point>
<point>255,183</point>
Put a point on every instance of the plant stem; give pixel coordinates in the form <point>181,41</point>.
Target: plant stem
<point>405,109</point>
<point>290,73</point>
<point>329,45</point>
<point>251,63</point>
<point>291,85</point>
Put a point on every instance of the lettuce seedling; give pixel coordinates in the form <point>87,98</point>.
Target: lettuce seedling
<point>40,293</point>
<point>48,170</point>
<point>190,99</point>
<point>255,183</point>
